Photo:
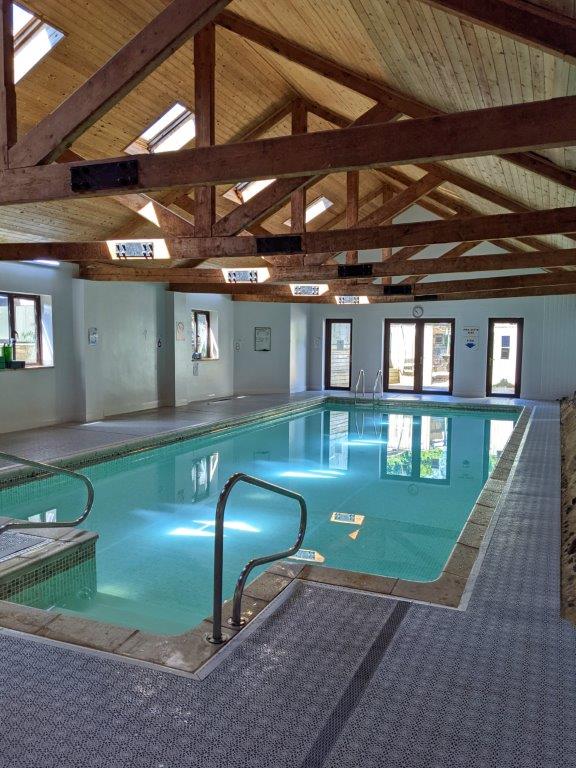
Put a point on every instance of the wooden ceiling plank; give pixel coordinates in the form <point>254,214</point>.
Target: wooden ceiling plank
<point>375,90</point>
<point>546,29</point>
<point>170,29</point>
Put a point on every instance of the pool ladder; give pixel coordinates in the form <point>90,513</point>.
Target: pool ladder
<point>217,637</point>
<point>362,378</point>
<point>50,469</point>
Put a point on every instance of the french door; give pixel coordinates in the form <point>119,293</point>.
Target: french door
<point>338,354</point>
<point>419,355</point>
<point>504,369</point>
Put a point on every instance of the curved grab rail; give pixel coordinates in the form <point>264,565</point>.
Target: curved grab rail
<point>361,375</point>
<point>54,471</point>
<point>379,378</point>
<point>236,621</point>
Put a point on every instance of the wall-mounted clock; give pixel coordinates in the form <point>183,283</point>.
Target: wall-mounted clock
<point>417,311</point>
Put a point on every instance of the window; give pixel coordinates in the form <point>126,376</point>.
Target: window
<point>505,348</point>
<point>245,190</point>
<point>171,131</point>
<point>20,325</point>
<point>313,210</point>
<point>201,343</point>
<point>33,39</point>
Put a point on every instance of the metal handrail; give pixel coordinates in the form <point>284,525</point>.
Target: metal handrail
<point>379,377</point>
<point>236,621</point>
<point>51,469</point>
<point>361,375</point>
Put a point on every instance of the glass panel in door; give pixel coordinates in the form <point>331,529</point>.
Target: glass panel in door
<point>505,357</point>
<point>401,356</point>
<point>437,356</point>
<point>338,354</point>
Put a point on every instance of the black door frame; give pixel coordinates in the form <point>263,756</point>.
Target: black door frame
<point>418,353</point>
<point>328,356</point>
<point>519,321</point>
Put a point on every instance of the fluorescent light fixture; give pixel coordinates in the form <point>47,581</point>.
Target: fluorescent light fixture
<point>33,39</point>
<point>253,275</point>
<point>128,250</point>
<point>170,132</point>
<point>245,190</point>
<point>313,210</point>
<point>352,300</point>
<point>308,289</point>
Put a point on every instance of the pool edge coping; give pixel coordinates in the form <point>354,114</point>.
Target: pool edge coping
<point>189,653</point>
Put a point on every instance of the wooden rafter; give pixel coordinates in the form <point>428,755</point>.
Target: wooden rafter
<point>481,132</point>
<point>546,29</point>
<point>8,130</point>
<point>150,47</point>
<point>204,95</point>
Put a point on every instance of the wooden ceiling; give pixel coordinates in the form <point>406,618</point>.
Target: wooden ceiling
<point>425,53</point>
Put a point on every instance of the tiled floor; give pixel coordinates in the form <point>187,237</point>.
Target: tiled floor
<point>335,678</point>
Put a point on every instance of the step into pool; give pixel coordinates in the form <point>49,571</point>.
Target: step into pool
<point>388,493</point>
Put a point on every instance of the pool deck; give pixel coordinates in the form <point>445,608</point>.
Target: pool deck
<point>336,678</point>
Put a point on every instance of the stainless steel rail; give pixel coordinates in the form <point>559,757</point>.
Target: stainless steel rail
<point>361,375</point>
<point>49,468</point>
<point>379,377</point>
<point>217,636</point>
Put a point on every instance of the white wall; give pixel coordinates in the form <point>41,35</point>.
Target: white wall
<point>199,379</point>
<point>549,362</point>
<point>256,372</point>
<point>43,396</point>
<point>127,369</point>
<point>298,347</point>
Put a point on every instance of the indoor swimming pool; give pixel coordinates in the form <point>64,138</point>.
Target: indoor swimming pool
<point>388,493</point>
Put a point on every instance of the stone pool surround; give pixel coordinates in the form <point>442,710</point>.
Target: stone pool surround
<point>188,652</point>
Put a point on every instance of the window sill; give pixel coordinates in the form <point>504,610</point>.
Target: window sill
<point>27,368</point>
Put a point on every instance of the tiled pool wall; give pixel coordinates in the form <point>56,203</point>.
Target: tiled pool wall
<point>188,652</point>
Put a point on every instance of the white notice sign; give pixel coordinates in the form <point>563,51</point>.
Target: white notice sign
<point>471,334</point>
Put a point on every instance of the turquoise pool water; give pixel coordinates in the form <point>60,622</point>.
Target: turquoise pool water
<point>387,493</point>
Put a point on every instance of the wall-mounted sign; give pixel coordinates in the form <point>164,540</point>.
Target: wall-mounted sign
<point>471,336</point>
<point>92,337</point>
<point>262,339</point>
<point>180,331</point>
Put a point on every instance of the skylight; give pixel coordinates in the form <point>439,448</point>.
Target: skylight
<point>313,210</point>
<point>171,131</point>
<point>33,39</point>
<point>245,190</point>
<point>308,289</point>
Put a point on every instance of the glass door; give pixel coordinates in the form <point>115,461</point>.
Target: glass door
<point>338,359</point>
<point>419,355</point>
<point>437,351</point>
<point>400,362</point>
<point>504,370</point>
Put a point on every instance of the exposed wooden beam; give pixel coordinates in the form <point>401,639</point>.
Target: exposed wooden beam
<point>133,63</point>
<point>277,194</point>
<point>326,67</point>
<point>327,298</point>
<point>113,270</point>
<point>352,196</point>
<point>298,197</point>
<point>544,123</point>
<point>372,89</point>
<point>8,123</point>
<point>529,23</point>
<point>495,283</point>
<point>204,93</point>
